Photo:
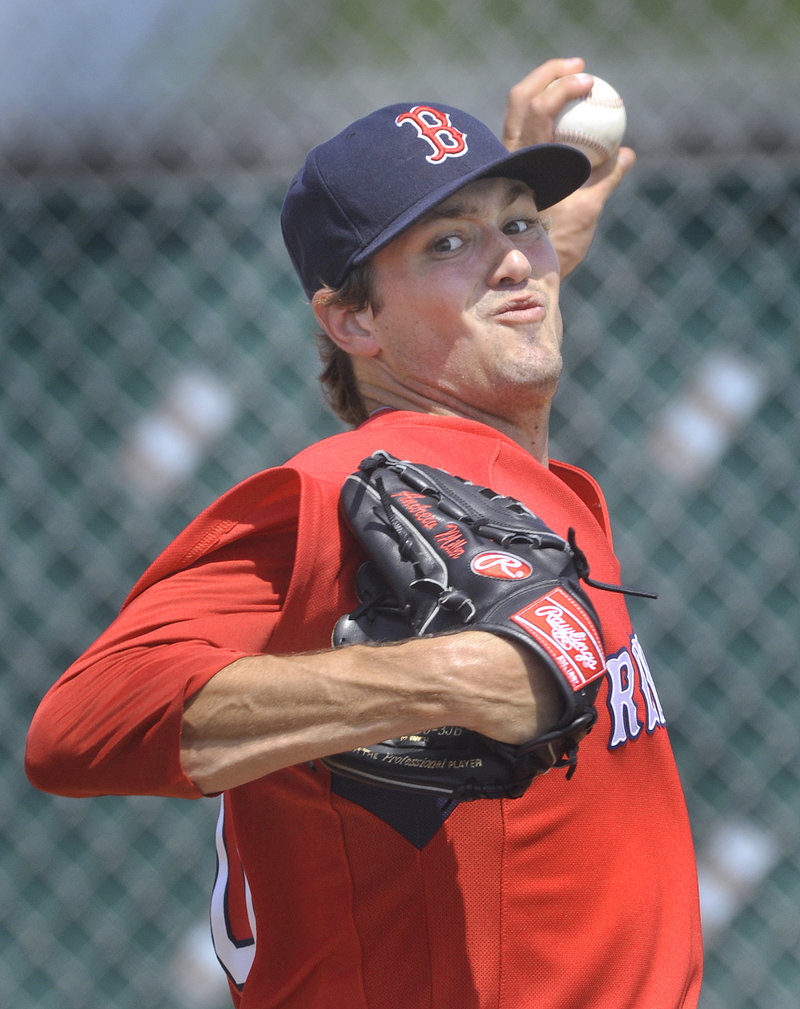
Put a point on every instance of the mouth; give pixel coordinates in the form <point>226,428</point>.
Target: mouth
<point>521,309</point>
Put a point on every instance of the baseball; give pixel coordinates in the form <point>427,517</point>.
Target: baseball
<point>594,124</point>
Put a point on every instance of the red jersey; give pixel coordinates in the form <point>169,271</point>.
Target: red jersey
<point>581,894</point>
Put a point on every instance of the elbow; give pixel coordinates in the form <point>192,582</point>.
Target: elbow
<point>62,755</point>
<point>49,764</point>
<point>69,756</point>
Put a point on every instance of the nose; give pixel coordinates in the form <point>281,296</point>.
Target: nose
<point>512,266</point>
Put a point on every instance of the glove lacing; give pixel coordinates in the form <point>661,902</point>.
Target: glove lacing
<point>582,567</point>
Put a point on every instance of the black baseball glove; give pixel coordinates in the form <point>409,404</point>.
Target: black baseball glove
<point>447,555</point>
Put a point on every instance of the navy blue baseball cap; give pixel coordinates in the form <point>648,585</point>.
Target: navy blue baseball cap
<point>359,190</point>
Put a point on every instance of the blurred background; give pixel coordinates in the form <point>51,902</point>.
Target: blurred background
<point>155,349</point>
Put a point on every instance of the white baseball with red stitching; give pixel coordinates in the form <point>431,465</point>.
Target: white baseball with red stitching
<point>595,124</point>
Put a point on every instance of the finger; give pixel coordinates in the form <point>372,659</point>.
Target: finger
<point>525,122</point>
<point>539,78</point>
<point>534,102</point>
<point>556,95</point>
<point>610,173</point>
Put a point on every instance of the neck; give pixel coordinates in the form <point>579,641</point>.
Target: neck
<point>530,433</point>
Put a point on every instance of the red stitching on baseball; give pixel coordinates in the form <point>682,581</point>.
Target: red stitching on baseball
<point>581,140</point>
<point>608,103</point>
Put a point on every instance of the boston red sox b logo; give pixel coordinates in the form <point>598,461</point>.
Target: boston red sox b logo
<point>435,127</point>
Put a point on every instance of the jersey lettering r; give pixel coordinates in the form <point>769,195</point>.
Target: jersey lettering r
<point>633,701</point>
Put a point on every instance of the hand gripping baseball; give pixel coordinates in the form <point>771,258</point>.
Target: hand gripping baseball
<point>447,555</point>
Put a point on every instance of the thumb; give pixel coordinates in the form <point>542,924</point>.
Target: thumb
<point>609,175</point>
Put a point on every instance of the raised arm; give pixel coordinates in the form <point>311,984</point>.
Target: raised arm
<point>532,106</point>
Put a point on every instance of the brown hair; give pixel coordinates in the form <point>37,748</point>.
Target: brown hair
<point>337,377</point>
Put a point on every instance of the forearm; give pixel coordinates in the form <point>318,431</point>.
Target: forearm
<point>573,222</point>
<point>263,713</point>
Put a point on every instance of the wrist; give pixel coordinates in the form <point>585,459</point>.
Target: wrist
<point>488,683</point>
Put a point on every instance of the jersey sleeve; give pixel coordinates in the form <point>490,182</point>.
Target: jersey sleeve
<point>111,724</point>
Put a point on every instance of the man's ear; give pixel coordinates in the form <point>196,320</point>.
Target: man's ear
<point>349,329</point>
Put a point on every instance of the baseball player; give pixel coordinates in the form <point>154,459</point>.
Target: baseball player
<point>420,241</point>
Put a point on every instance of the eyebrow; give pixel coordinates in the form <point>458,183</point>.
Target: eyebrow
<point>458,206</point>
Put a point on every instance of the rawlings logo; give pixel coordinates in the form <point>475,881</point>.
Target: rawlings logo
<point>568,635</point>
<point>435,127</point>
<point>562,628</point>
<point>496,564</point>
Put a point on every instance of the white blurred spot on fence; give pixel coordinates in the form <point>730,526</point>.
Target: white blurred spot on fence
<point>735,859</point>
<point>168,444</point>
<point>695,430</point>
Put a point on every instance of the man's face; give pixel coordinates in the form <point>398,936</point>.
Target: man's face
<point>466,304</point>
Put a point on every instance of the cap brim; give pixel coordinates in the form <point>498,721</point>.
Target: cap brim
<point>553,171</point>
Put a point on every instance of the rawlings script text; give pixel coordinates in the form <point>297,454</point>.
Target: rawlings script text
<point>568,636</point>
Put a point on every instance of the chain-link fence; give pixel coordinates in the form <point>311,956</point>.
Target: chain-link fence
<point>155,349</point>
